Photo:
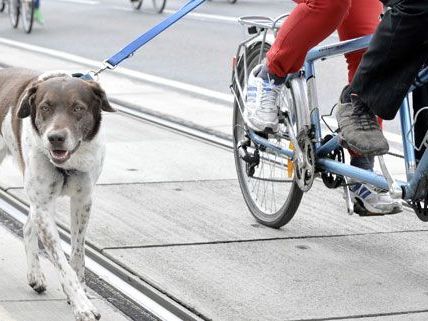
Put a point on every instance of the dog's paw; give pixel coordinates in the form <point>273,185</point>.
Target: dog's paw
<point>37,281</point>
<point>86,312</point>
<point>88,316</point>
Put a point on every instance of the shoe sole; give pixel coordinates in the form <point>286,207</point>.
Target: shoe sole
<point>372,211</point>
<point>267,126</point>
<point>346,145</point>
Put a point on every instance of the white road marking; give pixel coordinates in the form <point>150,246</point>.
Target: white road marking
<point>207,16</point>
<point>88,2</point>
<point>196,15</point>
<point>208,93</point>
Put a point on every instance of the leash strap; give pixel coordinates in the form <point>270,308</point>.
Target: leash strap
<point>129,50</point>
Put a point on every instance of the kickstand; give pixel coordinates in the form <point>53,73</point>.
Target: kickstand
<point>347,197</point>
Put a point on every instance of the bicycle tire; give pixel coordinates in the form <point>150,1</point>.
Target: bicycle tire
<point>286,210</point>
<point>232,1</point>
<point>137,4</point>
<point>27,14</point>
<point>14,12</point>
<point>159,5</point>
<point>2,6</point>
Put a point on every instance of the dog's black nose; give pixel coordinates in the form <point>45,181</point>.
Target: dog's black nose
<point>57,137</point>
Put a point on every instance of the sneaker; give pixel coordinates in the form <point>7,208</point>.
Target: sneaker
<point>261,111</point>
<point>359,128</point>
<point>373,200</point>
<point>38,16</point>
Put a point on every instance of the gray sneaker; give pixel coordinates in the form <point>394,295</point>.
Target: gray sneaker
<point>359,128</point>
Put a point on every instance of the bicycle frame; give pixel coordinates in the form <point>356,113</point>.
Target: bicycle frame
<point>415,174</point>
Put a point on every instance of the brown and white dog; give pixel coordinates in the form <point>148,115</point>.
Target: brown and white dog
<point>50,124</point>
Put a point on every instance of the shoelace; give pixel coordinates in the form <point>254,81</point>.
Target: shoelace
<point>365,118</point>
<point>268,95</point>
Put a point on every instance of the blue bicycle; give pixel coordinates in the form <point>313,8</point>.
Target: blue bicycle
<point>274,170</point>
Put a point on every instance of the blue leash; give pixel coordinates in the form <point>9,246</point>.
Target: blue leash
<point>132,47</point>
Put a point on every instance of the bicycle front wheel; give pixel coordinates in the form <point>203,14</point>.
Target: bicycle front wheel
<point>136,4</point>
<point>13,10</point>
<point>159,5</point>
<point>27,14</point>
<point>269,189</point>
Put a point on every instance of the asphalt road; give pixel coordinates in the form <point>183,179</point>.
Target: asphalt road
<point>202,47</point>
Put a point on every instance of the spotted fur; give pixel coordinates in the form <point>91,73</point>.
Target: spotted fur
<point>33,106</point>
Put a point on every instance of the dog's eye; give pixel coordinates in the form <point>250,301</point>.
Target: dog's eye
<point>45,108</point>
<point>78,109</point>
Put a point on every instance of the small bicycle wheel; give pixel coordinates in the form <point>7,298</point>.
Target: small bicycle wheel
<point>269,189</point>
<point>159,5</point>
<point>13,9</point>
<point>136,4</point>
<point>27,7</point>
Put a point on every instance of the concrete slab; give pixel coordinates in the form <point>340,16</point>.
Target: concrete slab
<point>305,279</point>
<point>214,211</point>
<point>18,302</point>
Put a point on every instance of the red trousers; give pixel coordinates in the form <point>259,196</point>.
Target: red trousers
<point>314,20</point>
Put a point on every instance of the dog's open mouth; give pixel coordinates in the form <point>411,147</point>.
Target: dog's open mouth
<point>60,156</point>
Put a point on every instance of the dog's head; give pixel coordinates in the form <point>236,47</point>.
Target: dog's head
<point>65,111</point>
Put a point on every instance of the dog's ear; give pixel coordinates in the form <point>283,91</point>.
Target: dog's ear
<point>27,101</point>
<point>101,96</point>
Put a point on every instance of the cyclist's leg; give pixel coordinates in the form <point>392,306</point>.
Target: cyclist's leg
<point>363,19</point>
<point>395,55</point>
<point>308,24</point>
<point>37,13</point>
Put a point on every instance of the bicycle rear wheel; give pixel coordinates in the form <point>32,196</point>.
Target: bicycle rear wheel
<point>159,5</point>
<point>136,4</point>
<point>271,192</point>
<point>13,10</point>
<point>27,7</point>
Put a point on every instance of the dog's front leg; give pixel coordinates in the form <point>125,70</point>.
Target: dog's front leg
<point>80,207</point>
<point>84,310</point>
<point>35,276</point>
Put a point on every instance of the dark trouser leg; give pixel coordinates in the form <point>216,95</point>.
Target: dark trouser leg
<point>395,55</point>
<point>420,100</point>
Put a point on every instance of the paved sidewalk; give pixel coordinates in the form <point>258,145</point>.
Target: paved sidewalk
<point>18,302</point>
<point>169,209</point>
